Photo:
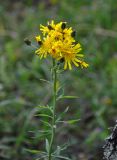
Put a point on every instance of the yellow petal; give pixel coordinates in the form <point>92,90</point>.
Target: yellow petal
<point>76,64</point>
<point>80,55</point>
<point>84,64</point>
<point>69,64</point>
<point>65,65</point>
<point>38,38</point>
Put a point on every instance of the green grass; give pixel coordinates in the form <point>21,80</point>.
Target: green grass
<point>20,73</point>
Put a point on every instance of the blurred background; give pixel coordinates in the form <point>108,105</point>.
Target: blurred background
<point>20,72</point>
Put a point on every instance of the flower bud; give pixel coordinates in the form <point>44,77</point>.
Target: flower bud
<point>50,27</point>
<point>73,33</point>
<point>63,26</point>
<point>61,61</point>
<point>40,43</point>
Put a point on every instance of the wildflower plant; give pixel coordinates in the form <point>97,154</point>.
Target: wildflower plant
<point>58,42</point>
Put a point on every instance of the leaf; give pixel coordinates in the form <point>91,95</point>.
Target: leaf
<point>45,108</point>
<point>72,121</point>
<point>62,157</point>
<point>65,146</point>
<point>66,110</point>
<point>34,151</point>
<point>62,114</point>
<point>60,90</point>
<point>44,115</point>
<point>69,121</point>
<point>44,80</point>
<point>46,123</point>
<point>47,145</point>
<point>58,150</point>
<point>61,148</point>
<point>41,135</point>
<point>69,97</point>
<point>42,131</point>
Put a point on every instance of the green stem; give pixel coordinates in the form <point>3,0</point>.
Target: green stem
<point>54,107</point>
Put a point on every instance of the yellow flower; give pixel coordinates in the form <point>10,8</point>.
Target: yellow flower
<point>58,41</point>
<point>44,48</point>
<point>38,38</point>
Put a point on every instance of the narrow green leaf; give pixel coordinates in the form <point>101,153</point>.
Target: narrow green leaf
<point>44,115</point>
<point>72,121</point>
<point>58,150</point>
<point>62,114</point>
<point>42,131</point>
<point>62,157</point>
<point>45,108</point>
<point>69,97</point>
<point>69,121</point>
<point>66,110</point>
<point>42,135</point>
<point>47,145</point>
<point>34,151</point>
<point>46,123</point>
<point>44,80</point>
<point>61,148</point>
<point>65,146</point>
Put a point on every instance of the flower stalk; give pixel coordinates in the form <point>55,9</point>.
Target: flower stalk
<point>54,77</point>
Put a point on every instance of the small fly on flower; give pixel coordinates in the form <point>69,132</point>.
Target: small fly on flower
<point>27,41</point>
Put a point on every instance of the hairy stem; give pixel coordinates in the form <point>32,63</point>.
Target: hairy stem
<point>54,107</point>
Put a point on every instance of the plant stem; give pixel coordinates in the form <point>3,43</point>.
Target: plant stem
<point>54,76</point>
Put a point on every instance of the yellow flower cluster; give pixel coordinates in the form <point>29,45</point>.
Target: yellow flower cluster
<point>58,41</point>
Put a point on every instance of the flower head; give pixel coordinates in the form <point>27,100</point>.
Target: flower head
<point>58,42</point>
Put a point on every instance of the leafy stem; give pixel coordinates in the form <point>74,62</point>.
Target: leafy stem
<point>54,76</point>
